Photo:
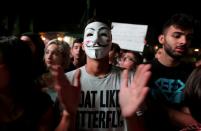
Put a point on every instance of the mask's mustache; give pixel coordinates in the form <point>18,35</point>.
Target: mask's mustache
<point>97,44</point>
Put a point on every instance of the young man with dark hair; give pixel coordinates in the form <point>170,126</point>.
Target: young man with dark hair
<point>169,74</point>
<point>78,56</point>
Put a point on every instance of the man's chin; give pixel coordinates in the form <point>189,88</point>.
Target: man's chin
<point>178,56</point>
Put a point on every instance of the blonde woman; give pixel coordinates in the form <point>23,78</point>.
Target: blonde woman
<point>56,53</point>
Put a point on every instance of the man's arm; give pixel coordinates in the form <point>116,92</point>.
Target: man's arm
<point>131,97</point>
<point>180,119</point>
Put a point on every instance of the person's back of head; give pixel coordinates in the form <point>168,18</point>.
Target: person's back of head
<point>35,41</point>
<point>17,58</point>
<point>193,93</point>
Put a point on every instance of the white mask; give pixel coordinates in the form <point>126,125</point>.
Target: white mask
<point>97,40</point>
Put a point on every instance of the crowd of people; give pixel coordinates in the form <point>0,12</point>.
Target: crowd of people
<point>94,85</point>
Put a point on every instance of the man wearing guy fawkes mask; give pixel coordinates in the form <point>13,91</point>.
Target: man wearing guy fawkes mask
<point>97,40</point>
<point>99,108</point>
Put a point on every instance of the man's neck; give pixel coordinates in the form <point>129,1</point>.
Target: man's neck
<point>167,60</point>
<point>98,68</point>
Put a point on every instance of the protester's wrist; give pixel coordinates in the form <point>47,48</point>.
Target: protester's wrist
<point>138,114</point>
<point>68,115</point>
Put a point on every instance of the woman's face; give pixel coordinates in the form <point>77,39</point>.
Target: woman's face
<point>53,55</point>
<point>127,60</point>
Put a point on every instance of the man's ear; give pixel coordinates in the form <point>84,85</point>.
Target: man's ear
<point>161,38</point>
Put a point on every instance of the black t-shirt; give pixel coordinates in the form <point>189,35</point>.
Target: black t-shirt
<point>169,82</point>
<point>166,89</point>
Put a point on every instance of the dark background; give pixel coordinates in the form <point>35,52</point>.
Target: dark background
<point>71,15</point>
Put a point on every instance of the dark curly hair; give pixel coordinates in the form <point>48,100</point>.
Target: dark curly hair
<point>181,20</point>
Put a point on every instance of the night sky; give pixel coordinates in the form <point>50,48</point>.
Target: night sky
<point>70,15</point>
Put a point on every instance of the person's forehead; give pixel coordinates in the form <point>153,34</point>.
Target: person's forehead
<point>77,44</point>
<point>96,25</point>
<point>129,54</point>
<point>52,47</point>
<point>174,28</point>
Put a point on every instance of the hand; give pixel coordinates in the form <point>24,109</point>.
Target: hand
<point>130,98</point>
<point>46,80</point>
<point>69,95</point>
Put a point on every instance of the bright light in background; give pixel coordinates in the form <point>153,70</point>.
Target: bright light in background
<point>59,38</point>
<point>196,50</point>
<point>43,38</point>
<point>67,39</point>
<point>156,47</point>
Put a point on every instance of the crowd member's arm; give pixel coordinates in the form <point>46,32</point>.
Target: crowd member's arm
<point>131,97</point>
<point>69,97</point>
<point>45,123</point>
<point>180,119</point>
<point>67,122</point>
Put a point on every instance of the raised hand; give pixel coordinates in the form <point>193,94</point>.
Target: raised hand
<point>69,94</point>
<point>132,96</point>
